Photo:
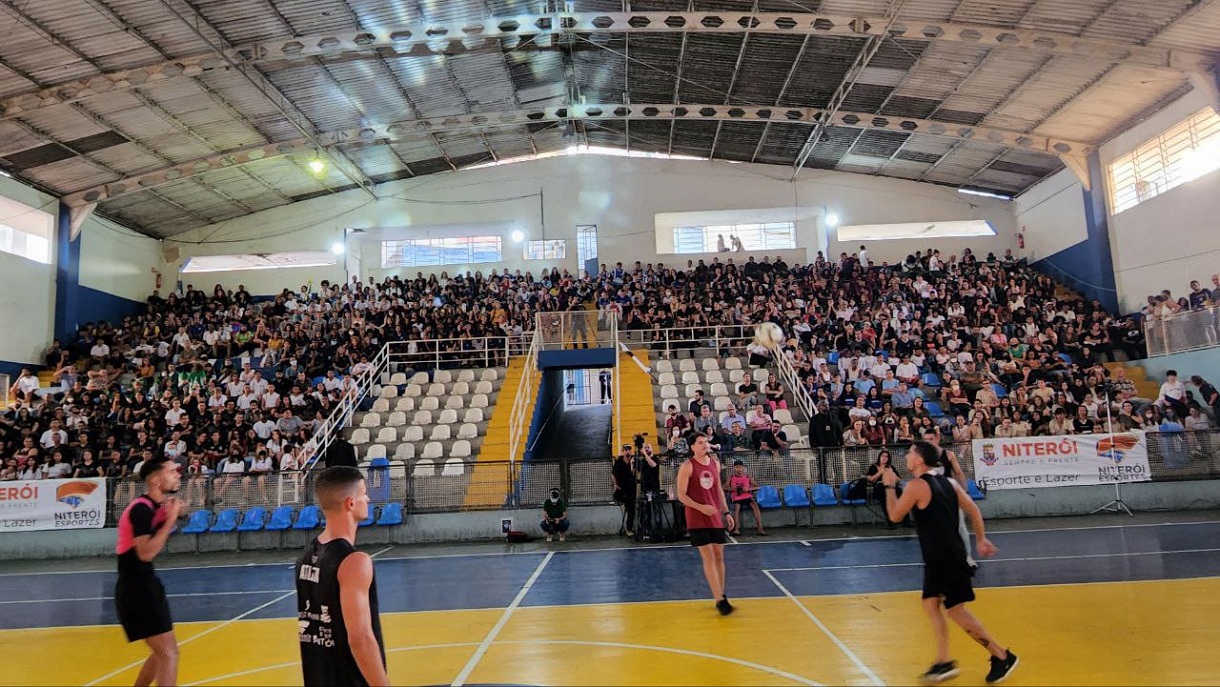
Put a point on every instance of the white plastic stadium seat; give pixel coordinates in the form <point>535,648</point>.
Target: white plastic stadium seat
<point>721,403</point>
<point>664,366</point>
<point>461,449</point>
<point>429,403</point>
<point>710,364</point>
<point>442,376</point>
<point>666,378</point>
<point>397,419</point>
<point>732,363</point>
<point>687,365</point>
<point>478,401</point>
<point>669,391</point>
<point>468,430</point>
<point>413,390</point>
<point>792,432</point>
<point>455,403</point>
<point>448,416</point>
<point>460,389</point>
<point>404,452</point>
<point>474,415</point>
<point>422,417</point>
<point>441,433</point>
<point>389,392</point>
<point>413,433</point>
<point>359,436</point>
<point>436,389</point>
<point>454,467</point>
<point>387,435</point>
<point>398,378</point>
<point>713,377</point>
<point>736,375</point>
<point>466,376</point>
<point>375,451</point>
<point>384,378</point>
<point>489,375</point>
<point>691,389</point>
<point>484,387</point>
<point>432,449</point>
<point>420,378</point>
<point>783,416</point>
<point>405,404</point>
<point>690,378</point>
<point>381,405</point>
<point>424,468</point>
<point>720,390</point>
<point>371,420</point>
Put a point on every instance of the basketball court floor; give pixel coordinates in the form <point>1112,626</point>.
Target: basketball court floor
<point>1111,601</point>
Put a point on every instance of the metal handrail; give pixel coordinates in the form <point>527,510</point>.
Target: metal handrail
<point>667,339</point>
<point>518,422</point>
<point>1189,330</point>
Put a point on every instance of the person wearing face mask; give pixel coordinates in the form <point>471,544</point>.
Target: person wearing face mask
<point>555,517</point>
<point>874,435</point>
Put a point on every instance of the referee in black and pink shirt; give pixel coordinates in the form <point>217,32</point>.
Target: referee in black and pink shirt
<point>139,597</point>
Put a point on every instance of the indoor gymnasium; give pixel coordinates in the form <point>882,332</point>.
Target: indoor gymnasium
<point>663,342</point>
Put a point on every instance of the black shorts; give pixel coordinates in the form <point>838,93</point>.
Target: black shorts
<point>702,536</point>
<point>952,583</point>
<point>744,503</point>
<point>142,608</point>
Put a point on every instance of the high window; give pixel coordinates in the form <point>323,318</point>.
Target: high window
<point>768,236</point>
<point>1184,152</point>
<point>427,252</point>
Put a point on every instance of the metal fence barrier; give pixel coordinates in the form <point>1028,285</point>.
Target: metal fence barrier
<point>1186,331</point>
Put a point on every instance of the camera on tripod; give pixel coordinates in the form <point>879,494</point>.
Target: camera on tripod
<point>639,440</point>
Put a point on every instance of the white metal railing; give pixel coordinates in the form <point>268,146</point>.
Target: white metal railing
<point>1190,330</point>
<point>488,351</point>
<point>325,434</point>
<point>667,341</point>
<point>522,410</point>
<point>787,374</point>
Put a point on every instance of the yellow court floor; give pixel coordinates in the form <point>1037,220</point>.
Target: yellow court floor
<point>1113,633</point>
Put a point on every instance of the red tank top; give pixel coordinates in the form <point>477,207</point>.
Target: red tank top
<point>704,487</point>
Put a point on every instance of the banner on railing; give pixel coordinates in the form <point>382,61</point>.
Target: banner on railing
<point>1025,462</point>
<point>52,504</point>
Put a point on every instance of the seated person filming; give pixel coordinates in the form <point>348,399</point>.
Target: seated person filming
<point>555,517</point>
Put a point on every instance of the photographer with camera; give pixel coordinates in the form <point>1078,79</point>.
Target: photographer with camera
<point>622,476</point>
<point>555,517</point>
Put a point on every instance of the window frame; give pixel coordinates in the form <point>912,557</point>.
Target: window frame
<point>441,251</point>
<point>1164,161</point>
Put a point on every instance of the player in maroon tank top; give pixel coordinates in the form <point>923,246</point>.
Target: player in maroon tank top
<point>707,515</point>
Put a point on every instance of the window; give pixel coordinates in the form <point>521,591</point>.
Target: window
<point>556,249</point>
<point>459,250</point>
<point>1183,153</point>
<point>26,231</point>
<point>915,230</point>
<point>764,236</point>
<point>266,261</point>
<point>586,243</point>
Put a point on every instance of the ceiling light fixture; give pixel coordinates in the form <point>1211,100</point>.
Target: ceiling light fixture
<point>832,220</point>
<point>317,165</point>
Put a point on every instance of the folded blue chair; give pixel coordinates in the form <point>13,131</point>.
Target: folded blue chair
<point>768,497</point>
<point>999,390</point>
<point>824,495</point>
<point>796,496</point>
<point>933,409</point>
<point>1065,358</point>
<point>253,519</point>
<point>391,515</point>
<point>833,358</point>
<point>198,522</point>
<point>372,518</point>
<point>843,489</point>
<point>308,519</point>
<point>226,521</point>
<point>281,519</point>
<point>973,491</point>
<point>930,379</point>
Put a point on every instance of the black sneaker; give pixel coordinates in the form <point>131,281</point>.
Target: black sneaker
<point>724,606</point>
<point>939,672</point>
<point>1001,668</point>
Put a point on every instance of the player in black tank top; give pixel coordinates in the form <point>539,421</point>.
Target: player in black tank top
<point>339,628</point>
<point>934,501</point>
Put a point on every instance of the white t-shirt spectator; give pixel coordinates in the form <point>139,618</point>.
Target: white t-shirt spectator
<point>1174,391</point>
<point>246,400</point>
<point>263,428</point>
<point>99,350</point>
<point>173,416</point>
<point>271,399</point>
<point>47,442</point>
<point>233,467</point>
<point>60,470</point>
<point>28,384</point>
<point>906,371</point>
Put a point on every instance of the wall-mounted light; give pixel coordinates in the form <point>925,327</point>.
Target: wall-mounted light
<point>337,248</point>
<point>832,220</point>
<point>518,236</point>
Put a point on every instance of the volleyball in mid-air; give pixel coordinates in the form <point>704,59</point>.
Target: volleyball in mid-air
<point>769,334</point>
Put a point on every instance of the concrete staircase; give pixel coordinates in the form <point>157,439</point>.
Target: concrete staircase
<point>489,479</point>
<point>638,407</point>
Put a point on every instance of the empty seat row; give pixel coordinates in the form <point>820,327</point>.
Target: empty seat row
<point>443,376</point>
<point>389,435</point>
<point>432,450</point>
<point>413,390</point>
<point>707,365</point>
<point>283,518</point>
<point>453,467</point>
<point>714,377</point>
<point>422,418</point>
<point>408,404</point>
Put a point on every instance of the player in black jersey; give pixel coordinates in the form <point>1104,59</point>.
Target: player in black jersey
<point>339,627</point>
<point>934,501</point>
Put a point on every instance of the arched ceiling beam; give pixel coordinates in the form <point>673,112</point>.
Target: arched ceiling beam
<point>597,112</point>
<point>431,38</point>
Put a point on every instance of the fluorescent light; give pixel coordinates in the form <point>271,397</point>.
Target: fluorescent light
<point>5,174</point>
<point>916,230</point>
<point>336,248</point>
<point>832,220</point>
<point>265,261</point>
<point>984,192</point>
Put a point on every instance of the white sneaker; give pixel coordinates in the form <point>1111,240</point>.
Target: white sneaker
<point>563,537</point>
<point>549,537</point>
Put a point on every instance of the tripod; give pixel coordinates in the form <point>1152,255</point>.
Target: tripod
<point>651,520</point>
<point>1117,505</point>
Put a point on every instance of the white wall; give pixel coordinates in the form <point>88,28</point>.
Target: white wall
<point>620,195</point>
<point>119,261</point>
<point>27,290</point>
<point>1164,242</point>
<point>1051,215</point>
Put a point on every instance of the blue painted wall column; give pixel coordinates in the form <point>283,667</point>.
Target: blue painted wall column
<point>1088,266</point>
<point>67,276</point>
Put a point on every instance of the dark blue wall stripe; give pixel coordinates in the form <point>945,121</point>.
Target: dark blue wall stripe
<point>67,275</point>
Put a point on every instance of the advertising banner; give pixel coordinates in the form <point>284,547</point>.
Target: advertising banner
<point>1025,462</point>
<point>52,504</point>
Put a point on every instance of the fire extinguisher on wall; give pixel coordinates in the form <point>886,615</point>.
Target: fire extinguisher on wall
<point>1021,240</point>
<point>157,273</point>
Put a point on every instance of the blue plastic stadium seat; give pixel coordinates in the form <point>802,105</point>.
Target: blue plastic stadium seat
<point>1065,358</point>
<point>796,496</point>
<point>884,355</point>
<point>824,495</point>
<point>198,522</point>
<point>391,515</point>
<point>768,497</point>
<point>999,390</point>
<point>253,519</point>
<point>317,380</point>
<point>226,521</point>
<point>843,488</point>
<point>308,519</point>
<point>930,379</point>
<point>833,358</point>
<point>281,519</point>
<point>372,518</point>
<point>933,409</point>
<point>973,491</point>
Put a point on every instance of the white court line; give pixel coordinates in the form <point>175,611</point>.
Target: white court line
<point>285,564</point>
<point>1082,556</point>
<point>805,543</point>
<point>206,632</point>
<point>495,630</point>
<point>731,538</point>
<point>171,596</point>
<point>826,631</point>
